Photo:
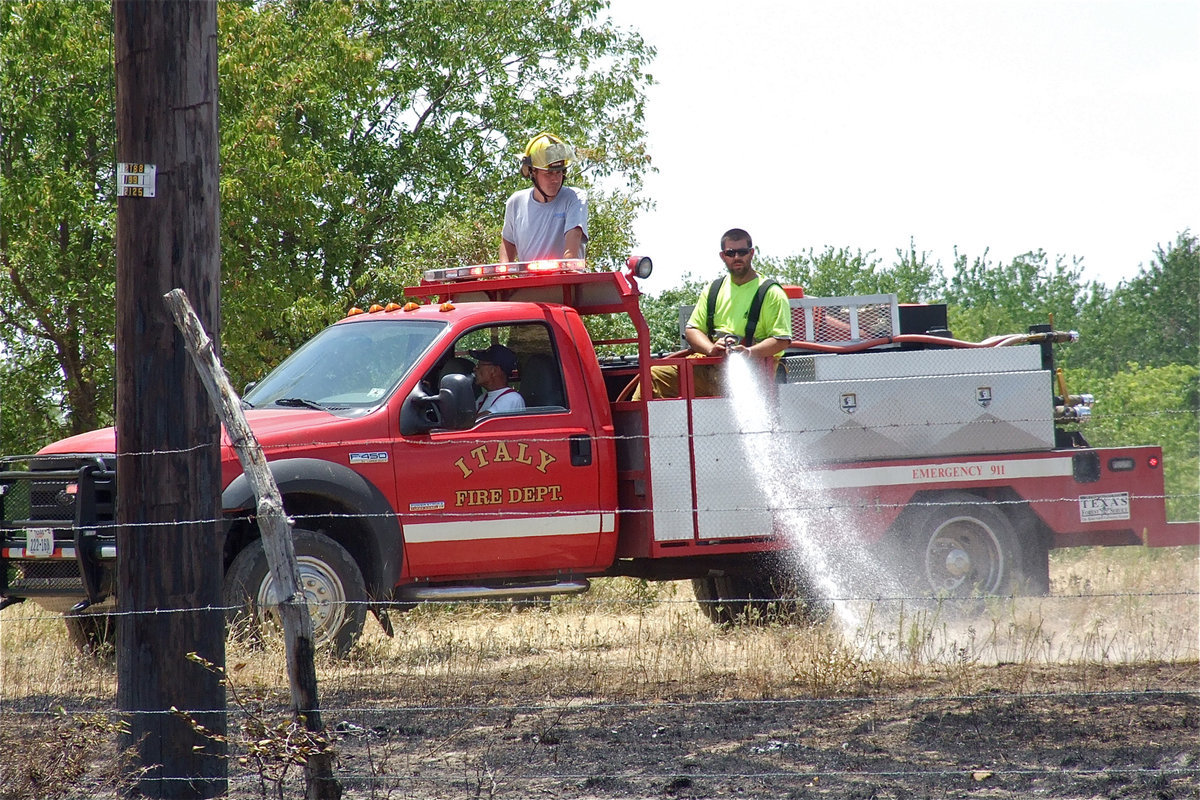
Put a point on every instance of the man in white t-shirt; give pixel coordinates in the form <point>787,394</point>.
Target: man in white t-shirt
<point>548,220</point>
<point>491,372</point>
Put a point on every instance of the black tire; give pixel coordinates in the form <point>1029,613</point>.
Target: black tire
<point>965,547</point>
<point>775,596</point>
<point>329,578</point>
<point>93,634</point>
<point>708,596</point>
<point>1035,572</point>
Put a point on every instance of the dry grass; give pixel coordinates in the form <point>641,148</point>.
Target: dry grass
<point>637,640</point>
<point>631,640</point>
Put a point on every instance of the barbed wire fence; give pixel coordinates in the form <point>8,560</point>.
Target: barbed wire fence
<point>485,725</point>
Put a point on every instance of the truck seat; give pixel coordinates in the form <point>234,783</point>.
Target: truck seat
<point>541,381</point>
<point>457,365</point>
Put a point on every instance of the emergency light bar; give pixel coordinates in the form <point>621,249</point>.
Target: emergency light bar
<point>546,267</point>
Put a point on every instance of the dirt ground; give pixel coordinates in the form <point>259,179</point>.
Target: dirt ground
<point>1134,734</point>
<point>911,744</point>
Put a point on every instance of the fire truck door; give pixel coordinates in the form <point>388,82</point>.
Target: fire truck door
<point>516,493</point>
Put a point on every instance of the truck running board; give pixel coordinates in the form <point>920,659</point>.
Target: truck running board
<point>422,591</point>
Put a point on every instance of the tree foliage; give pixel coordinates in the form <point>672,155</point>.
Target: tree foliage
<point>662,312</point>
<point>56,218</point>
<point>361,142</point>
<point>986,299</point>
<point>1152,319</point>
<point>365,142</point>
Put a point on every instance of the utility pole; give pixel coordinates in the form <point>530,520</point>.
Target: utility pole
<point>168,458</point>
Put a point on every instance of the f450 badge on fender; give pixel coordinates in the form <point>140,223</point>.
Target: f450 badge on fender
<point>378,457</point>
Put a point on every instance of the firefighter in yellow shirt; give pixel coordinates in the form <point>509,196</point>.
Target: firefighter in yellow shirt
<point>740,313</point>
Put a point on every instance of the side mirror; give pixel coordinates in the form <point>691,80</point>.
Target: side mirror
<point>452,407</point>
<point>456,399</point>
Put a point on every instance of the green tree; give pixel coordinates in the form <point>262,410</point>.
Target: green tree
<point>834,272</point>
<point>839,272</point>
<point>987,299</point>
<point>913,277</point>
<point>361,142</point>
<point>1152,319</point>
<point>56,219</point>
<point>367,142</point>
<point>662,312</point>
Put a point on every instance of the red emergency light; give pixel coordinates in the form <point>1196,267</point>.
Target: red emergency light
<point>512,269</point>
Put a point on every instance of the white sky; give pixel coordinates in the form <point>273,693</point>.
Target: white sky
<point>1064,125</point>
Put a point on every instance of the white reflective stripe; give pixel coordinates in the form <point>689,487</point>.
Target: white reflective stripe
<point>509,528</point>
<point>945,472</point>
<point>59,553</point>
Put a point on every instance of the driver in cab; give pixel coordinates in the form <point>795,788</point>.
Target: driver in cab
<point>492,370</point>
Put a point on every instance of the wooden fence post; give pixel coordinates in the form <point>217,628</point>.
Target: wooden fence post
<point>277,541</point>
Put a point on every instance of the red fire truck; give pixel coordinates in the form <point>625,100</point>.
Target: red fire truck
<point>963,461</point>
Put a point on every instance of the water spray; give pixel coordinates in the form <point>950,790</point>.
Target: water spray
<point>827,548</point>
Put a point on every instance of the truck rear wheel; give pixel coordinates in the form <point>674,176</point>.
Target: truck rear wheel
<point>773,597</point>
<point>964,547</point>
<point>330,579</point>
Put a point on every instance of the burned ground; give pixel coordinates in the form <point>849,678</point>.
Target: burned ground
<point>909,743</point>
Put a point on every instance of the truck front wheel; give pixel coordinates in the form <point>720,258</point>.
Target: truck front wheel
<point>964,547</point>
<point>332,584</point>
<point>93,634</point>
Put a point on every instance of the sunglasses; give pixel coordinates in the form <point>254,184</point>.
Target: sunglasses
<point>733,252</point>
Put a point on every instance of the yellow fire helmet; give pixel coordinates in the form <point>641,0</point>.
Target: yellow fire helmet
<point>542,151</point>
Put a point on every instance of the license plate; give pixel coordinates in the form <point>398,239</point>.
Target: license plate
<point>39,543</point>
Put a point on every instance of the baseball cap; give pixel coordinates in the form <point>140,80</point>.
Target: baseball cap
<point>499,355</point>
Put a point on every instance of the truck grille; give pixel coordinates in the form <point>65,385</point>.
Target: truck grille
<point>44,577</point>
<point>49,493</point>
<point>42,501</point>
<point>64,494</point>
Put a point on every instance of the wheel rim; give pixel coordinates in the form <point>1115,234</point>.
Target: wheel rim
<point>964,555</point>
<point>323,592</point>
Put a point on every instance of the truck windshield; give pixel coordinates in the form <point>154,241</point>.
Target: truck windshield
<point>354,365</point>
